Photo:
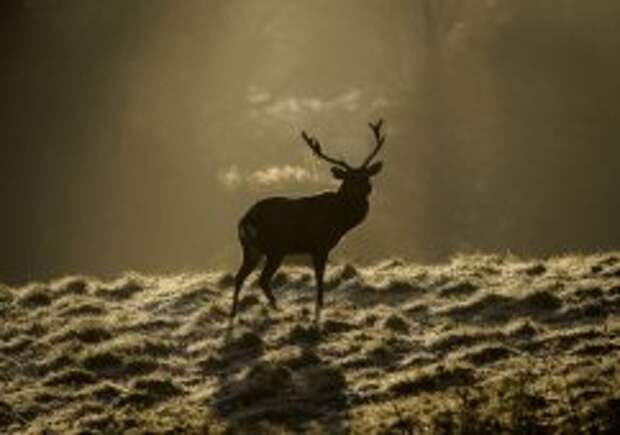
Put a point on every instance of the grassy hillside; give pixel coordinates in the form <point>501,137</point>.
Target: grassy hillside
<point>491,343</point>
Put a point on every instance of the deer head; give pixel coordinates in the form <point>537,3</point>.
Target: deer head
<point>355,180</point>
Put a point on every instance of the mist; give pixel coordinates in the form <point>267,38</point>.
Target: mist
<point>135,134</point>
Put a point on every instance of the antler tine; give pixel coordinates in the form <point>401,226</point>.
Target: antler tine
<point>315,146</point>
<point>379,139</point>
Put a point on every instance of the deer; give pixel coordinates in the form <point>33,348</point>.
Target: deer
<point>275,227</point>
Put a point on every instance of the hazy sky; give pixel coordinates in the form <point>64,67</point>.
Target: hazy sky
<point>134,134</point>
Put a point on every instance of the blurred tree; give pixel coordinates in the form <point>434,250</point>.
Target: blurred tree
<point>434,21</point>
<point>557,92</point>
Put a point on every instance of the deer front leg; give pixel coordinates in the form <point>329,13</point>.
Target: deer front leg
<point>319,260</point>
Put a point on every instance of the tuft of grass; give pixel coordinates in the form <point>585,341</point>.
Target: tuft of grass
<point>35,297</point>
<point>71,377</point>
<point>87,330</point>
<point>535,270</point>
<point>612,273</point>
<point>154,348</point>
<point>437,378</point>
<point>330,326</point>
<point>122,290</point>
<point>488,354</point>
<point>540,301</point>
<point>98,423</point>
<point>393,263</point>
<point>140,366</point>
<point>137,399</point>
<point>18,345</point>
<point>159,388</point>
<point>462,338</point>
<point>55,364</point>
<point>592,311</point>
<point>396,323</point>
<point>6,298</point>
<point>226,280</point>
<point>494,308</point>
<point>457,290</point>
<point>341,274</point>
<point>103,362</point>
<point>280,280</point>
<point>525,330</point>
<point>386,351</point>
<point>596,348</point>
<point>392,291</point>
<point>73,286</point>
<point>589,293</point>
<point>568,339</point>
<point>106,392</point>
<point>84,309</point>
<point>146,392</point>
<point>487,307</point>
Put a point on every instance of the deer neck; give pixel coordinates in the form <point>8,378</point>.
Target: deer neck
<point>354,209</point>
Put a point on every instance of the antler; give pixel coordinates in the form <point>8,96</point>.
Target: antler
<point>379,139</point>
<point>315,146</point>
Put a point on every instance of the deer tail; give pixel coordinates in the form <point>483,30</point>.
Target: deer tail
<point>247,231</point>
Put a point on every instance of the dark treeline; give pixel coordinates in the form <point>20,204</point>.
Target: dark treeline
<point>121,118</point>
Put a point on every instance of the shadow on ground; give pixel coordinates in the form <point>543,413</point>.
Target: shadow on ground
<point>291,387</point>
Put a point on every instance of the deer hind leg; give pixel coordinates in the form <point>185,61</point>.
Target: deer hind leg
<point>319,260</point>
<point>271,266</point>
<point>251,257</point>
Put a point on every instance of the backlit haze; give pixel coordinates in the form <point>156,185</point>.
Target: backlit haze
<point>134,134</point>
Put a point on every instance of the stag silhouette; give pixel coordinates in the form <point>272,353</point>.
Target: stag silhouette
<point>278,226</point>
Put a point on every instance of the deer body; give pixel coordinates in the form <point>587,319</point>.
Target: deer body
<point>301,225</point>
<point>276,227</point>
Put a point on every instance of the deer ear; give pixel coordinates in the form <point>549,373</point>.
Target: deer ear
<point>338,173</point>
<point>374,169</point>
